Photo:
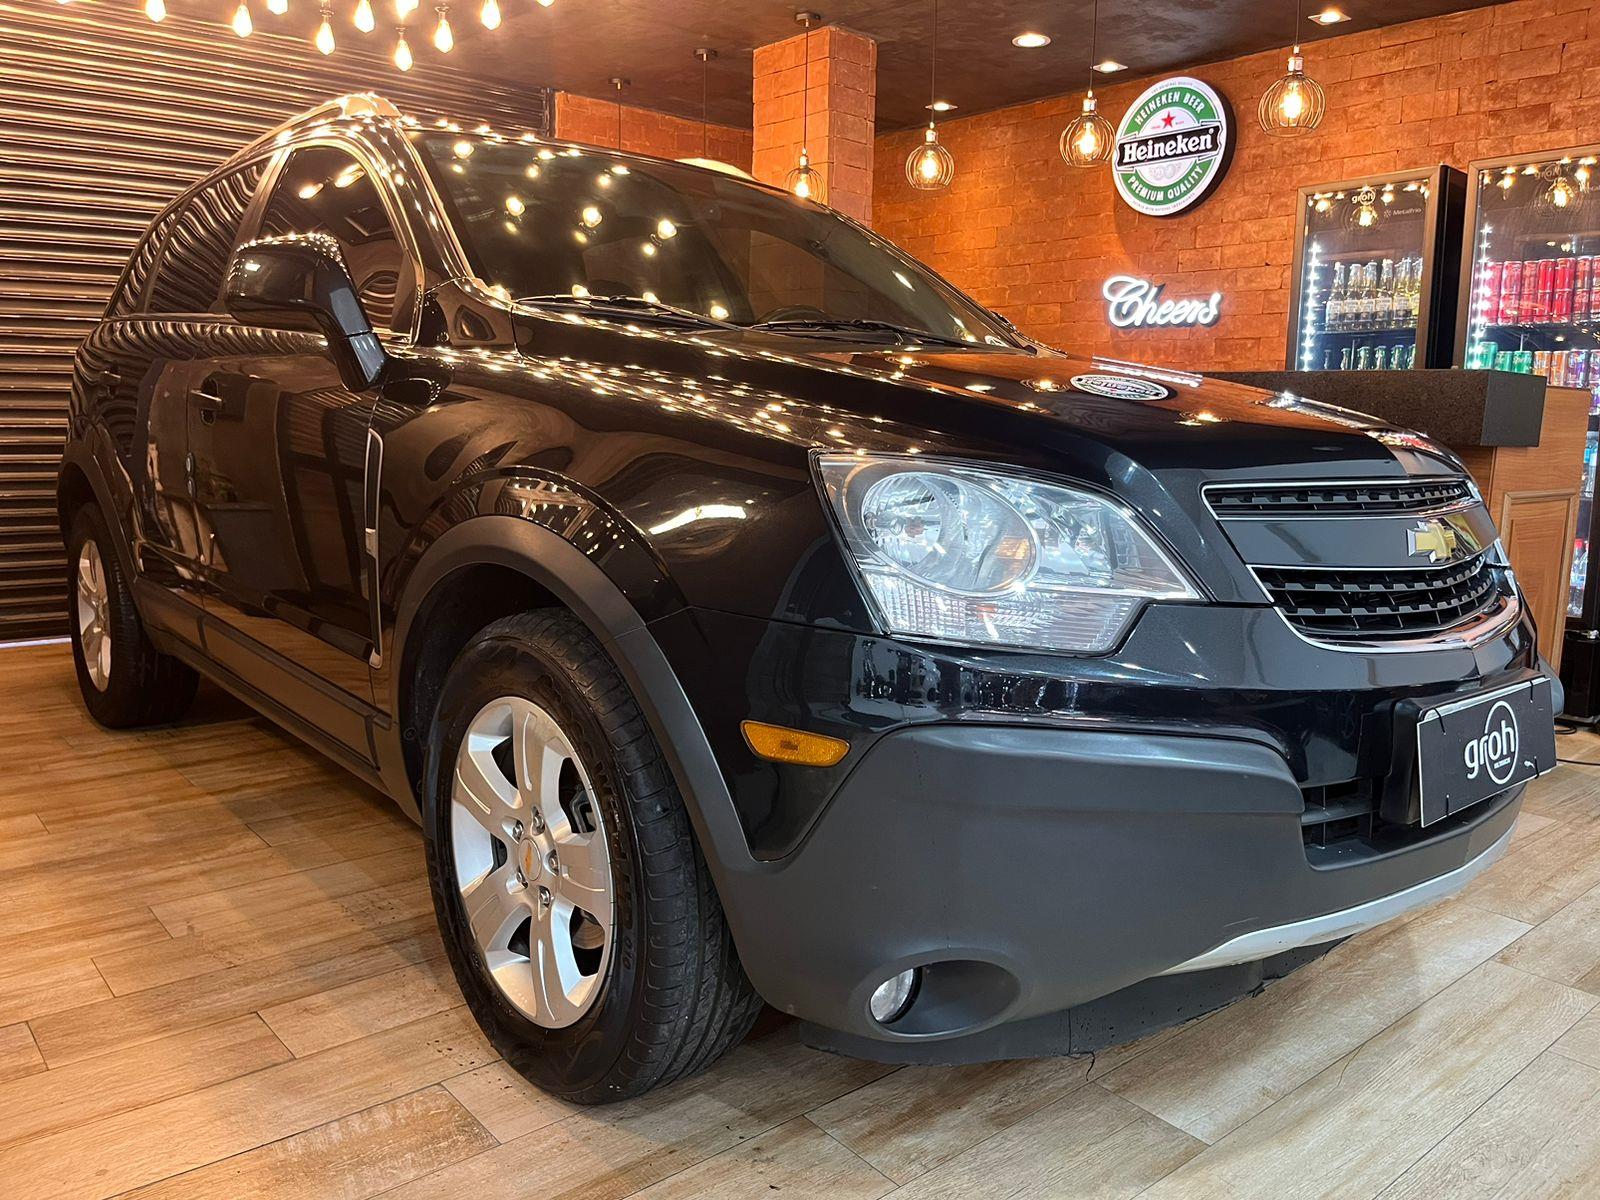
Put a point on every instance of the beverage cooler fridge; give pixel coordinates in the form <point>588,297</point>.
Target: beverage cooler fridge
<point>1533,258</point>
<point>1376,271</point>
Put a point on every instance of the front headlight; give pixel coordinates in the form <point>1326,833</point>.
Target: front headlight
<point>971,555</point>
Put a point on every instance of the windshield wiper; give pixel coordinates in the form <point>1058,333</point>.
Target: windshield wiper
<point>825,326</point>
<point>625,306</point>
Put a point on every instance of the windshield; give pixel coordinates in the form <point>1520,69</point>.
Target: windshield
<point>542,221</point>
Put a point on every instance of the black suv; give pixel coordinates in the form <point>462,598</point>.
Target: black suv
<point>745,614</point>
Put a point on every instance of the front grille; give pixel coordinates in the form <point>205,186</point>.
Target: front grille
<point>1339,813</point>
<point>1372,498</point>
<point>1374,605</point>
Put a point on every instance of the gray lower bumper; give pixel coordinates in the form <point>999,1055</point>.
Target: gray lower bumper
<point>1032,870</point>
<point>1347,922</point>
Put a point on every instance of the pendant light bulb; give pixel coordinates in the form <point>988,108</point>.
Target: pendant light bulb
<point>1088,140</point>
<point>364,19</point>
<point>277,7</point>
<point>931,167</point>
<point>1295,105</point>
<point>324,39</point>
<point>404,8</point>
<point>402,50</point>
<point>443,39</point>
<point>242,24</point>
<point>490,14</point>
<point>156,10</point>
<point>806,182</point>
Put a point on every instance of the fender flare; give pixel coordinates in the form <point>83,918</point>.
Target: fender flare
<point>79,454</point>
<point>574,579</point>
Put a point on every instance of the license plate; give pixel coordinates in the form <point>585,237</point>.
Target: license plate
<point>1472,749</point>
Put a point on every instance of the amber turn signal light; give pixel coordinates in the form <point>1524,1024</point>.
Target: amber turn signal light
<point>793,745</point>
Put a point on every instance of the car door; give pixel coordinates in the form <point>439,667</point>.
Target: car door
<point>154,349</point>
<point>280,459</point>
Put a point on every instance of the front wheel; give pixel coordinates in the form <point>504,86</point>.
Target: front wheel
<point>576,907</point>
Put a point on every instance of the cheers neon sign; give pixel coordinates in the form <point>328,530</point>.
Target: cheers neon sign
<point>1134,303</point>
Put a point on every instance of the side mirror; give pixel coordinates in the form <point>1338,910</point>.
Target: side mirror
<point>299,282</point>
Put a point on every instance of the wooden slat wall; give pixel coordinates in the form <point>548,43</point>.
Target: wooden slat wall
<point>104,118</point>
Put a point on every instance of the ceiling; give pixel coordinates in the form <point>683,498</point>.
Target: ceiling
<point>578,45</point>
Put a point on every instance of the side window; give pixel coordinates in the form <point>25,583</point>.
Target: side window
<point>129,296</point>
<point>189,279</point>
<point>323,189</point>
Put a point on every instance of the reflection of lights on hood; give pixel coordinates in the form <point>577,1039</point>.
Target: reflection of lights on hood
<point>701,512</point>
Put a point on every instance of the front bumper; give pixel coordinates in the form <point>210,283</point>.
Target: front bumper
<point>1030,870</point>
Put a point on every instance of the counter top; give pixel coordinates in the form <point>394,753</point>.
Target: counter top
<point>1458,408</point>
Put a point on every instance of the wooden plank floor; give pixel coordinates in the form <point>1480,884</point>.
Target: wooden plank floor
<point>219,977</point>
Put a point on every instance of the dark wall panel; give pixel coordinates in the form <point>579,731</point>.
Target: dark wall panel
<point>104,118</point>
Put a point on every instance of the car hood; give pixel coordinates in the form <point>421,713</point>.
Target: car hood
<point>1165,419</point>
<point>1093,417</point>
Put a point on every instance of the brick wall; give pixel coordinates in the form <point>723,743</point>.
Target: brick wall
<point>644,131</point>
<point>1035,238</point>
<point>829,82</point>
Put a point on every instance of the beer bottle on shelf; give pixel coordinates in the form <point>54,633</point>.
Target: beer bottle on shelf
<point>1383,314</point>
<point>1344,359</point>
<point>1364,355</point>
<point>1335,307</point>
<point>1414,292</point>
<point>1380,359</point>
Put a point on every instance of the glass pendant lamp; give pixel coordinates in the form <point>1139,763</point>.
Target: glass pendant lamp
<point>1296,103</point>
<point>931,166</point>
<point>1087,141</point>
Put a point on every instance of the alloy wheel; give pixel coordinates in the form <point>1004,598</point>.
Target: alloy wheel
<point>93,611</point>
<point>532,862</point>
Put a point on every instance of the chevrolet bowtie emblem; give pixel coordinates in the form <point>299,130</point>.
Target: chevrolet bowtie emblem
<point>1437,539</point>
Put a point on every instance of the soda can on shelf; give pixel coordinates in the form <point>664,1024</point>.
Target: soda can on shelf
<point>1541,363</point>
<point>1578,368</point>
<point>1546,292</point>
<point>1524,361</point>
<point>1528,306</point>
<point>1561,301</point>
<point>1557,373</point>
<point>1509,310</point>
<point>1582,282</point>
<point>1505,360</point>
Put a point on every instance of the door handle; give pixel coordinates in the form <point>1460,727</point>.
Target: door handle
<point>206,401</point>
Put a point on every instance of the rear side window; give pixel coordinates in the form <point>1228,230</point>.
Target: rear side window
<point>204,232</point>
<point>324,189</point>
<point>129,296</point>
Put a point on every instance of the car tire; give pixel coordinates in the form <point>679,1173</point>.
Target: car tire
<point>589,1009</point>
<point>125,681</point>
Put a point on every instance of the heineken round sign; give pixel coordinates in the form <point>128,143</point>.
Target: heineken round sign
<point>1173,146</point>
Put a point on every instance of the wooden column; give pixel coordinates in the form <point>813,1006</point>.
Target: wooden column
<point>834,72</point>
<point>1532,493</point>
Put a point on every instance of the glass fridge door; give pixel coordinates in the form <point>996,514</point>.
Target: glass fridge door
<point>1535,304</point>
<point>1366,255</point>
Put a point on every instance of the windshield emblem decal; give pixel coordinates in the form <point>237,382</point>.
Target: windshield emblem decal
<point>1120,387</point>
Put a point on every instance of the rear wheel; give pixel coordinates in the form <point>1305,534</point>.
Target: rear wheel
<point>126,682</point>
<point>577,910</point>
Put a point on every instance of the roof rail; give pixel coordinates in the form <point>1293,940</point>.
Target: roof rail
<point>355,104</point>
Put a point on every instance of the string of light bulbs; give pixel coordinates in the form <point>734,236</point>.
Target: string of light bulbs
<point>364,16</point>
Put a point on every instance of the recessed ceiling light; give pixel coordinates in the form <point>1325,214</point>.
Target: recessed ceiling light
<point>1329,16</point>
<point>1031,41</point>
<point>940,106</point>
<point>1110,66</point>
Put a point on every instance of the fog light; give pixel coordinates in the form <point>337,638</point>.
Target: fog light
<point>894,996</point>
